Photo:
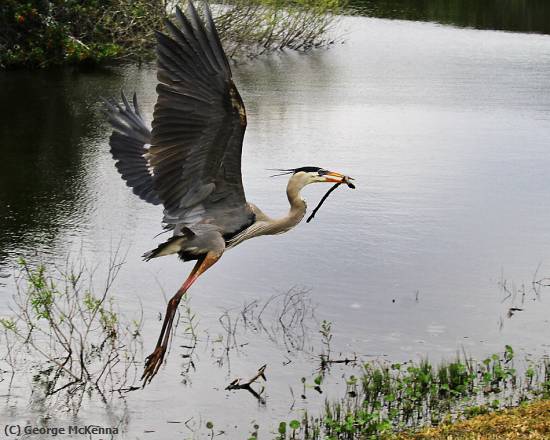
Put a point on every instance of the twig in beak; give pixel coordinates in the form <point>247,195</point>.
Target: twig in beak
<point>332,188</point>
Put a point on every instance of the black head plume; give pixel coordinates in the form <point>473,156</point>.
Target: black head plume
<point>307,169</point>
<point>294,170</point>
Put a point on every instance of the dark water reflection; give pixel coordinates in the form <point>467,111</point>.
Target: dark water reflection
<point>507,15</point>
<point>51,126</point>
<point>45,121</point>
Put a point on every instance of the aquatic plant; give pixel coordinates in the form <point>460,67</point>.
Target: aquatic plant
<point>390,397</point>
<point>284,317</point>
<point>69,337</point>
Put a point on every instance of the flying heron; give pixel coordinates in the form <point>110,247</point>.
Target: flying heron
<point>190,161</point>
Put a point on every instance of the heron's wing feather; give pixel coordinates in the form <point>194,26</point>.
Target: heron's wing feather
<point>129,142</point>
<point>198,127</point>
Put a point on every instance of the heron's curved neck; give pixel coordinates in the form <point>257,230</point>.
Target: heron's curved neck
<point>297,207</point>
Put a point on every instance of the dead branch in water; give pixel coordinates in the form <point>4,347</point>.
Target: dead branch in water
<point>238,384</point>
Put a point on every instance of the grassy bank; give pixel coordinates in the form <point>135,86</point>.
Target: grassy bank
<point>528,421</point>
<point>387,399</point>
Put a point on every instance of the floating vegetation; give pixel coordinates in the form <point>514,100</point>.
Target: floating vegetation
<point>69,337</point>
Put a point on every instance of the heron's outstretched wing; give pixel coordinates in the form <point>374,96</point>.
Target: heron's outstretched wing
<point>198,128</point>
<point>128,145</point>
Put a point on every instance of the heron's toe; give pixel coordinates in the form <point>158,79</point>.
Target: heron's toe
<point>152,365</point>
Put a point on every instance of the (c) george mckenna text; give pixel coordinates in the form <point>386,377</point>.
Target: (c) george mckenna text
<point>69,430</point>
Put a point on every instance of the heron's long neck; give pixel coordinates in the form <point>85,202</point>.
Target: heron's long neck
<point>297,208</point>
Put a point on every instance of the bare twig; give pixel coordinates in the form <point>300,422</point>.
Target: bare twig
<point>240,384</point>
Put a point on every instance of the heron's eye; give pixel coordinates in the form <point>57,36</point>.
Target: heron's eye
<point>322,172</point>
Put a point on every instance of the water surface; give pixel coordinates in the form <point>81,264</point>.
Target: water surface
<point>508,15</point>
<point>446,131</point>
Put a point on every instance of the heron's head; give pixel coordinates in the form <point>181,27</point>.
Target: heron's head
<point>305,175</point>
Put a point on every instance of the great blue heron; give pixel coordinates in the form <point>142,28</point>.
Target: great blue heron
<point>191,160</point>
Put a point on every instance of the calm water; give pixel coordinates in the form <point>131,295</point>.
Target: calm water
<point>509,15</point>
<point>446,131</point>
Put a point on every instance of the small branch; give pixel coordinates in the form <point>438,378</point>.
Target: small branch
<point>325,361</point>
<point>238,384</point>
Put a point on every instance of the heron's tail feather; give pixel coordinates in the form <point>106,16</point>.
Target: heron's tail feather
<point>172,246</point>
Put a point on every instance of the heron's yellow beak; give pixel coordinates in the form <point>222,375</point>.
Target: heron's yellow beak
<point>337,177</point>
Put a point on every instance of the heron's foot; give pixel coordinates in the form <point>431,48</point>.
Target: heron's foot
<point>152,364</point>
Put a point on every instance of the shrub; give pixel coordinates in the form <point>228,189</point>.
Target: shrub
<point>42,33</point>
<point>39,33</point>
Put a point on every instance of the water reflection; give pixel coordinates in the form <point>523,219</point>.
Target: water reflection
<point>43,181</point>
<point>508,15</point>
<point>51,128</point>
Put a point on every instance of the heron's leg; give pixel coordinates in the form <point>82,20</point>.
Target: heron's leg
<point>154,360</point>
<point>175,300</point>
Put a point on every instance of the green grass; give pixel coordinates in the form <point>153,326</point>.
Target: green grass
<point>389,398</point>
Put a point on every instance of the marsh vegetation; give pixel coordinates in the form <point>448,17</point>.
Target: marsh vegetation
<point>66,333</point>
<point>74,343</point>
<point>386,398</point>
